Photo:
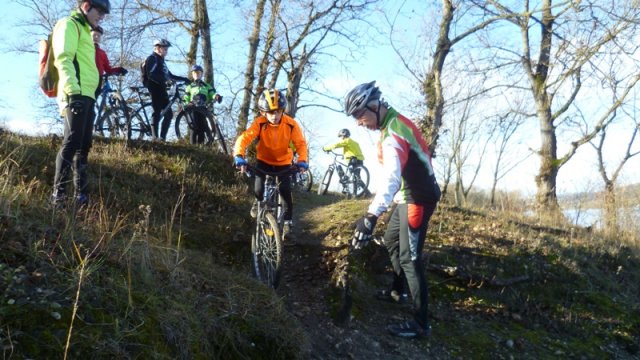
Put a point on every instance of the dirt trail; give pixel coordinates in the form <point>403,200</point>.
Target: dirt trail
<point>310,258</point>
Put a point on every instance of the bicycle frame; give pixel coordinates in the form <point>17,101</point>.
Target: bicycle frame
<point>176,95</point>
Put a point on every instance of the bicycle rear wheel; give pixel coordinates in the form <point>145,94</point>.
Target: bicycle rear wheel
<point>266,246</point>
<point>114,124</point>
<point>360,182</point>
<point>324,185</point>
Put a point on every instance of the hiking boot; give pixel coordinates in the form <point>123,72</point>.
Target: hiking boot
<point>409,329</point>
<point>392,296</point>
<point>254,209</point>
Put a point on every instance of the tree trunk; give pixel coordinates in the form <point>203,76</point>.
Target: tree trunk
<point>546,197</point>
<point>432,85</point>
<point>254,42</point>
<point>610,209</point>
<point>207,53</point>
<point>192,54</point>
<point>263,69</point>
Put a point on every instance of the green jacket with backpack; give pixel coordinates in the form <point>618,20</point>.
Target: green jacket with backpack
<point>75,58</point>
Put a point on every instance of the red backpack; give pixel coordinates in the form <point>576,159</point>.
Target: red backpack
<point>48,76</point>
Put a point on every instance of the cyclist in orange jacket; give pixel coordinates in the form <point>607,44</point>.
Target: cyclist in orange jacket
<point>274,130</point>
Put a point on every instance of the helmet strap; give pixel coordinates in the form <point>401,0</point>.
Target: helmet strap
<point>377,112</point>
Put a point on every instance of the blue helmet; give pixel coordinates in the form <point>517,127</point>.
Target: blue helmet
<point>196,68</point>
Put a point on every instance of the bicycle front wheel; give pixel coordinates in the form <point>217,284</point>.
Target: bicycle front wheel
<point>141,122</point>
<point>217,135</point>
<point>266,247</point>
<point>360,183</point>
<point>324,185</point>
<point>305,180</point>
<point>184,123</point>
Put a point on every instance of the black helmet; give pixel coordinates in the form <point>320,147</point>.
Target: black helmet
<point>98,29</point>
<point>272,99</point>
<point>196,68</point>
<point>360,96</point>
<point>344,133</point>
<point>161,43</point>
<point>103,5</point>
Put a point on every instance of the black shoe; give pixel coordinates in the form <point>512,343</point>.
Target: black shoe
<point>409,329</point>
<point>392,296</point>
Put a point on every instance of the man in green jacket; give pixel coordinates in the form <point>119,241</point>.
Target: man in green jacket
<point>75,59</point>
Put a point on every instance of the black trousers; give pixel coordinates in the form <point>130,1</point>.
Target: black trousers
<point>74,152</point>
<point>160,100</point>
<point>404,239</point>
<point>199,124</point>
<point>285,186</point>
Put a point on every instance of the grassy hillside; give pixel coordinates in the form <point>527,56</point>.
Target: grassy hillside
<point>147,271</point>
<point>158,267</point>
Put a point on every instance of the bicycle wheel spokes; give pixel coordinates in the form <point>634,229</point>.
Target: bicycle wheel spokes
<point>267,251</point>
<point>361,181</point>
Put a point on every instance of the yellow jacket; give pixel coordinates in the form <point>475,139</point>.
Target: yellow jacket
<point>75,58</point>
<point>273,141</point>
<point>350,148</point>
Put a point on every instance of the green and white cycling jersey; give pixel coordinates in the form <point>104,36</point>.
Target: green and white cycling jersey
<point>407,175</point>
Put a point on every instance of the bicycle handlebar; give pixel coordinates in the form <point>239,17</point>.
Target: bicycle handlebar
<point>290,170</point>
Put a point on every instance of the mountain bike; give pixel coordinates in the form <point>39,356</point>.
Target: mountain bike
<point>266,242</point>
<point>112,115</point>
<point>185,124</point>
<point>354,180</point>
<point>142,118</point>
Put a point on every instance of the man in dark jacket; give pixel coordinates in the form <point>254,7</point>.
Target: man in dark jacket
<point>156,78</point>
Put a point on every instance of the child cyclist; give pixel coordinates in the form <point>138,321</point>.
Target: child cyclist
<point>350,149</point>
<point>199,93</point>
<point>274,130</point>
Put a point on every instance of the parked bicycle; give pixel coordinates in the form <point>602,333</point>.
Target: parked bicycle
<point>185,125</point>
<point>354,180</point>
<point>142,118</point>
<point>112,115</point>
<point>266,243</point>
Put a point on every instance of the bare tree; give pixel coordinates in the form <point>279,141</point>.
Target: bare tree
<point>249,76</point>
<point>610,180</point>
<point>574,38</point>
<point>506,126</point>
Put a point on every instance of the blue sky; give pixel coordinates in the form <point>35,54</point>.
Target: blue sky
<point>19,94</point>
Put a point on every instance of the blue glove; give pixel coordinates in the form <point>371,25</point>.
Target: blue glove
<point>364,230</point>
<point>239,161</point>
<point>303,165</point>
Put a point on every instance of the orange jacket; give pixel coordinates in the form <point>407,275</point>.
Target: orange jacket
<point>273,141</point>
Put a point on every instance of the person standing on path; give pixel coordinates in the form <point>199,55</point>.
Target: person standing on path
<point>409,181</point>
<point>75,59</point>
